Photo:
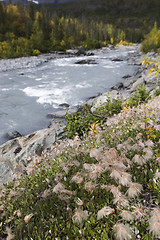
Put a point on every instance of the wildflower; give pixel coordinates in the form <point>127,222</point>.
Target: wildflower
<point>105,211</point>
<point>94,152</point>
<point>155,215</point>
<point>46,193</point>
<point>65,191</point>
<point>9,232</point>
<point>139,212</point>
<point>125,179</point>
<point>115,191</point>
<point>154,227</point>
<point>79,202</point>
<point>157,175</point>
<point>115,174</point>
<point>89,186</point>
<point>79,216</point>
<point>139,136</point>
<point>148,153</point>
<point>77,178</point>
<point>134,189</point>
<point>59,187</point>
<point>120,200</point>
<point>149,143</point>
<point>126,215</point>
<point>18,213</point>
<point>139,159</point>
<point>28,217</point>
<point>122,231</point>
<point>106,187</point>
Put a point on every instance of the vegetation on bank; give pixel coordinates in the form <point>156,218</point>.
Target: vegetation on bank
<point>103,186</point>
<point>30,30</point>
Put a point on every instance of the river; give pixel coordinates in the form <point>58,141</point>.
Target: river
<point>31,91</point>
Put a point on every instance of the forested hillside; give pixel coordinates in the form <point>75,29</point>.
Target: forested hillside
<point>29,30</point>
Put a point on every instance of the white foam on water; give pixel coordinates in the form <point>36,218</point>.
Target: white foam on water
<point>38,79</point>
<point>83,86</point>
<point>5,89</point>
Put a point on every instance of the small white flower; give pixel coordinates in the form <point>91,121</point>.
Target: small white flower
<point>105,211</point>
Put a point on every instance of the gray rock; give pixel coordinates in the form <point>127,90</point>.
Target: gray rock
<point>86,61</point>
<point>19,150</point>
<point>14,134</point>
<point>66,105</point>
<point>6,173</point>
<point>118,86</point>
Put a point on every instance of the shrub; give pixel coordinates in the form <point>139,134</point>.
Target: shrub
<point>80,122</point>
<point>140,96</point>
<point>152,40</point>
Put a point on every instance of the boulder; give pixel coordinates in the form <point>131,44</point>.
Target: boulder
<point>65,105</point>
<point>86,61</point>
<point>15,154</point>
<point>118,86</point>
<point>14,134</point>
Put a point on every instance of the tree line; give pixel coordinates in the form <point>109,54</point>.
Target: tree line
<point>28,30</point>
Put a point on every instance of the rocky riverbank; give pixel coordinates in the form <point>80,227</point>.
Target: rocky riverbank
<point>17,155</point>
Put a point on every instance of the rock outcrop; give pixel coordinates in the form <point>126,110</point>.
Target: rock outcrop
<point>16,154</point>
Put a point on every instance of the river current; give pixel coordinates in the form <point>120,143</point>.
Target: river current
<point>28,94</point>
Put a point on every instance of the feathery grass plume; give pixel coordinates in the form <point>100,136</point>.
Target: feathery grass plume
<point>89,186</point>
<point>138,159</point>
<point>10,234</point>
<point>148,153</point>
<point>88,167</point>
<point>115,190</point>
<point>105,211</point>
<point>157,175</point>
<point>46,193</point>
<point>106,187</point>
<point>116,174</point>
<point>125,179</point>
<point>95,153</point>
<point>139,212</point>
<point>122,231</point>
<point>18,213</point>
<point>28,217</point>
<point>119,165</point>
<point>77,178</point>
<point>59,187</point>
<point>139,136</point>
<point>154,228</point>
<point>158,160</point>
<point>155,215</point>
<point>134,190</point>
<point>120,200</point>
<point>127,215</point>
<point>79,216</point>
<point>149,143</point>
